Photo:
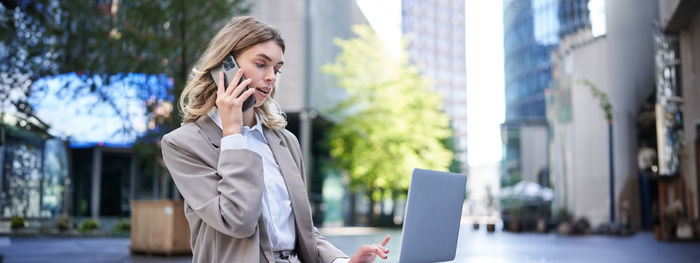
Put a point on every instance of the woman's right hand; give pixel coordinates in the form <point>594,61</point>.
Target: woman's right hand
<point>367,253</point>
<point>230,103</point>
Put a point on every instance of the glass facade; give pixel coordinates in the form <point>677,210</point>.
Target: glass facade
<point>32,174</point>
<point>532,29</point>
<point>436,32</point>
<point>512,165</point>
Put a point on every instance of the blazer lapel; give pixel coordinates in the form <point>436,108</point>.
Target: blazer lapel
<point>297,192</point>
<point>210,130</point>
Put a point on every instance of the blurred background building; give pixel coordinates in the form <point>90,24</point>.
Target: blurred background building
<point>436,34</point>
<point>531,30</point>
<point>88,167</point>
<point>613,53</point>
<point>680,21</point>
<point>32,167</point>
<point>564,62</point>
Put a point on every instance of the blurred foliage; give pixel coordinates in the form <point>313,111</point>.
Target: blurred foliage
<point>122,228</point>
<point>123,225</point>
<point>88,225</point>
<point>390,123</point>
<point>28,48</point>
<point>17,222</point>
<point>602,99</point>
<point>103,40</point>
<point>451,144</point>
<point>63,223</point>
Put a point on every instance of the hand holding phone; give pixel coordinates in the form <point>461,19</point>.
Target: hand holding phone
<point>228,99</point>
<point>230,67</point>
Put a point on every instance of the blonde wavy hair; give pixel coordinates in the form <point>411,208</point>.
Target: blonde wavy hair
<point>199,95</point>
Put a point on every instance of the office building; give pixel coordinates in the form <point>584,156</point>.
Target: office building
<point>613,53</point>
<point>532,29</point>
<point>436,33</point>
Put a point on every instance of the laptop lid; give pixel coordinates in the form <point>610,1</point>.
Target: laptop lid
<point>433,213</point>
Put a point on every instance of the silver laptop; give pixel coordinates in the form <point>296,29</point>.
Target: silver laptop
<point>433,212</point>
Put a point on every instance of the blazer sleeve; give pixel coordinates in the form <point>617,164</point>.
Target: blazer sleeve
<point>326,251</point>
<point>228,197</point>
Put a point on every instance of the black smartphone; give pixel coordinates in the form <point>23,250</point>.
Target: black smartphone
<point>229,67</point>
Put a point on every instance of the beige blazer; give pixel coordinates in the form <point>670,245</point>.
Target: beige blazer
<point>223,195</point>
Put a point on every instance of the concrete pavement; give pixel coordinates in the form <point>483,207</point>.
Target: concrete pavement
<point>480,246</point>
<point>473,246</point>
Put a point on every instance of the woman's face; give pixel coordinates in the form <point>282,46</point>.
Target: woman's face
<point>261,63</point>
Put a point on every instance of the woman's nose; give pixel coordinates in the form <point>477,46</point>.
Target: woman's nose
<point>270,76</point>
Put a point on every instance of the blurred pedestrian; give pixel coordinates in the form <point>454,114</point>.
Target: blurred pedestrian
<point>240,171</point>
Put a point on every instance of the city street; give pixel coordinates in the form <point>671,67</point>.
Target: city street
<point>473,246</point>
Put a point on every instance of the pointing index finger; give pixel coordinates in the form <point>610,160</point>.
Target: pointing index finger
<point>386,240</point>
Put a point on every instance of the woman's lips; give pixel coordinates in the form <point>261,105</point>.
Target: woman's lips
<point>264,92</point>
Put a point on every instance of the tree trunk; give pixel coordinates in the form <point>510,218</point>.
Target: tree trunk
<point>370,215</point>
<point>394,198</point>
<point>351,215</point>
<point>381,203</point>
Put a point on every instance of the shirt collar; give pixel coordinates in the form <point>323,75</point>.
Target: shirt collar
<point>214,115</point>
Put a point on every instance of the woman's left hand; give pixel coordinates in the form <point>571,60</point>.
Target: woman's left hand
<point>367,253</point>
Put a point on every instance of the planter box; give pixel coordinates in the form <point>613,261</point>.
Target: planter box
<point>159,227</point>
<point>490,227</point>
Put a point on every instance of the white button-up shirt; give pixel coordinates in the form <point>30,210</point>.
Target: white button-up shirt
<point>276,204</point>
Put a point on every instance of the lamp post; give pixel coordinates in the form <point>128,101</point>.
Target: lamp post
<point>612,170</point>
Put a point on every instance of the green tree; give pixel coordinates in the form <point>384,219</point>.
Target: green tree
<point>26,50</point>
<point>455,165</point>
<point>390,122</point>
<point>102,41</point>
<point>152,37</point>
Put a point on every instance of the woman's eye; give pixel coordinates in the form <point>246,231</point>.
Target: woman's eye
<point>260,65</point>
<point>277,71</point>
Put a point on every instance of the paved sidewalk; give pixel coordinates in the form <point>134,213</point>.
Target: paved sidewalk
<point>473,246</point>
<point>480,246</point>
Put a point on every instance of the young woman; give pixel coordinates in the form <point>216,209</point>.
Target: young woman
<point>241,172</point>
